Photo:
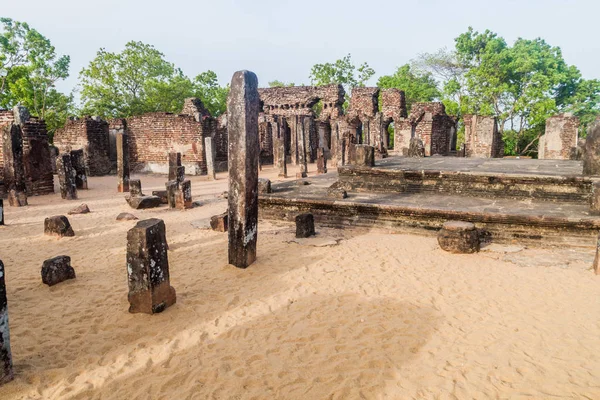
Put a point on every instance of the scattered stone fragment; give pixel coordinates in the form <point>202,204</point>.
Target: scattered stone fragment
<point>135,187</point>
<point>58,225</point>
<point>416,148</point>
<point>302,182</point>
<point>305,225</point>
<point>82,209</point>
<point>264,186</point>
<point>126,217</point>
<point>150,290</point>
<point>196,203</point>
<point>57,270</point>
<point>219,222</point>
<point>6,365</point>
<point>337,193</point>
<point>143,202</point>
<point>164,199</point>
<point>459,237</point>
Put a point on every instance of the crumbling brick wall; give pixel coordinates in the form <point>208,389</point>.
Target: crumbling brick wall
<point>482,138</point>
<point>393,108</point>
<point>90,134</point>
<point>430,123</point>
<point>37,159</point>
<point>560,137</point>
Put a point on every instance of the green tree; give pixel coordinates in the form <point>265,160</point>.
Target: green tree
<point>29,71</point>
<point>213,95</point>
<point>342,71</point>
<point>417,86</point>
<point>277,83</point>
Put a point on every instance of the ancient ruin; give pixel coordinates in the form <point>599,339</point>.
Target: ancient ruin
<point>66,177</point>
<point>56,270</point>
<point>6,365</point>
<point>560,138</point>
<point>78,164</point>
<point>14,171</point>
<point>482,138</point>
<point>242,115</point>
<point>122,154</point>
<point>139,200</point>
<point>150,290</point>
<point>305,225</point>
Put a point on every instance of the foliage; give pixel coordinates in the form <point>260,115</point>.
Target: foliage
<point>214,96</point>
<point>277,83</point>
<point>29,71</point>
<point>416,85</point>
<point>343,72</point>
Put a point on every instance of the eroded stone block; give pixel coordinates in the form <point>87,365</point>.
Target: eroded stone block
<point>58,225</point>
<point>183,195</point>
<point>66,177</point>
<point>78,164</point>
<point>135,188</point>
<point>416,148</point>
<point>6,365</point>
<point>82,209</point>
<point>164,199</point>
<point>264,186</point>
<point>172,188</point>
<point>459,237</point>
<point>56,270</point>
<point>126,217</point>
<point>305,225</point>
<point>150,290</point>
<point>362,155</point>
<point>337,193</point>
<point>143,202</point>
<point>219,222</point>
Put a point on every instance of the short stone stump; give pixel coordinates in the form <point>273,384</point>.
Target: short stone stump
<point>219,222</point>
<point>58,225</point>
<point>459,237</point>
<point>143,202</point>
<point>56,270</point>
<point>264,186</point>
<point>305,225</point>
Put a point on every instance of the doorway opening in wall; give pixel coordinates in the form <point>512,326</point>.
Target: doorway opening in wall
<point>390,136</point>
<point>359,133</point>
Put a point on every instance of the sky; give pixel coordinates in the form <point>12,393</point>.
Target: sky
<point>282,40</point>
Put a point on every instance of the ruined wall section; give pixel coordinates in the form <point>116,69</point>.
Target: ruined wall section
<point>430,123</point>
<point>299,100</point>
<point>482,138</point>
<point>37,159</point>
<point>560,138</point>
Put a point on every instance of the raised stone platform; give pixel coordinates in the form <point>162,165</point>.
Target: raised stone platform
<point>525,219</point>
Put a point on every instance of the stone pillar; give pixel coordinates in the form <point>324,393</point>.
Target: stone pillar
<point>596,259</point>
<point>211,155</point>
<point>243,104</point>
<point>66,177</point>
<point>172,187</point>
<point>78,163</point>
<point>302,156</point>
<point>279,157</point>
<point>150,289</point>
<point>591,156</point>
<point>123,162</point>
<point>595,198</point>
<point>135,188</point>
<point>1,212</point>
<point>174,162</point>
<point>6,367</point>
<point>362,155</point>
<point>183,196</point>
<point>179,174</point>
<point>14,169</point>
<point>321,161</point>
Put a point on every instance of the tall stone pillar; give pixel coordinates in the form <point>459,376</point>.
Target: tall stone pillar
<point>6,367</point>
<point>66,177</point>
<point>279,148</point>
<point>302,156</point>
<point>321,161</point>
<point>243,104</point>
<point>14,170</point>
<point>150,289</point>
<point>78,163</point>
<point>122,141</point>
<point>211,155</point>
<point>174,162</point>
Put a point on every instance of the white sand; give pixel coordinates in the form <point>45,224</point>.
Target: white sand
<point>376,316</point>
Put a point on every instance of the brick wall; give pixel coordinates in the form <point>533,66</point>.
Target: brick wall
<point>560,137</point>
<point>299,100</point>
<point>433,126</point>
<point>482,138</point>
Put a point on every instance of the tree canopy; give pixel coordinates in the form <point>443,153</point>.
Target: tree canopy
<point>418,86</point>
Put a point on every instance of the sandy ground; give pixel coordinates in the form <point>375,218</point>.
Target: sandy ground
<point>345,315</point>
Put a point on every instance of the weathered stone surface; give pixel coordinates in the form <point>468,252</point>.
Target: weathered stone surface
<point>321,161</point>
<point>14,169</point>
<point>482,137</point>
<point>243,104</point>
<point>126,217</point>
<point>66,177</point>
<point>163,194</point>
<point>305,225</point>
<point>219,222</point>
<point>302,156</point>
<point>135,188</point>
<point>58,225</point>
<point>1,212</point>
<point>279,156</point>
<point>122,141</point>
<point>459,237</point>
<point>82,209</point>
<point>56,270</point>
<point>591,157</point>
<point>174,162</point>
<point>595,199</point>
<point>264,186</point>
<point>179,174</point>
<point>416,148</point>
<point>362,155</point>
<point>6,366</point>
<point>211,154</point>
<point>150,290</point>
<point>596,260</point>
<point>183,195</point>
<point>336,193</point>
<point>143,202</point>
<point>172,188</point>
<point>78,164</point>
<point>560,137</point>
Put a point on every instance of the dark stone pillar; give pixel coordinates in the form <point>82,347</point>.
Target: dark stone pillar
<point>135,188</point>
<point>321,161</point>
<point>174,162</point>
<point>305,225</point>
<point>78,163</point>
<point>302,156</point>
<point>150,290</point>
<point>6,367</point>
<point>242,116</point>
<point>595,199</point>
<point>58,225</point>
<point>179,174</point>
<point>66,177</point>
<point>172,187</point>
<point>14,169</point>
<point>279,156</point>
<point>183,198</point>
<point>591,155</point>
<point>56,270</point>
<point>1,212</point>
<point>211,155</point>
<point>123,162</point>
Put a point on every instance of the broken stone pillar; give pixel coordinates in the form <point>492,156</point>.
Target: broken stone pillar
<point>264,186</point>
<point>305,225</point>
<point>174,162</point>
<point>243,104</point>
<point>179,174</point>
<point>78,163</point>
<point>6,366</point>
<point>302,156</point>
<point>459,237</point>
<point>211,155</point>
<point>150,290</point>
<point>172,187</point>
<point>362,155</point>
<point>14,169</point>
<point>183,196</point>
<point>135,188</point>
<point>58,225</point>
<point>279,156</point>
<point>595,199</point>
<point>219,222</point>
<point>143,202</point>
<point>56,270</point>
<point>591,155</point>
<point>122,162</point>
<point>321,161</point>
<point>559,138</point>
<point>416,148</point>
<point>162,194</point>
<point>1,212</point>
<point>66,177</point>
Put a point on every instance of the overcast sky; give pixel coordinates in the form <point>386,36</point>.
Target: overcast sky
<point>281,40</point>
